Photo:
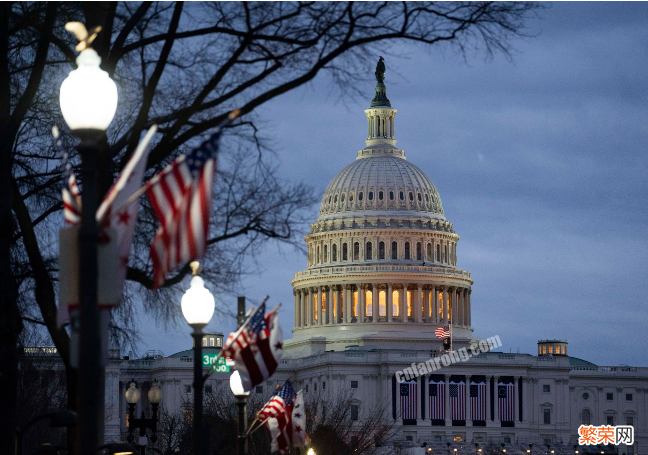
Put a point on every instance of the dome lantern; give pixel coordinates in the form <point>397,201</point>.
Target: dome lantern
<point>380,117</point>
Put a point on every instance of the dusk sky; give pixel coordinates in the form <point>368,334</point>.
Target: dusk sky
<point>541,165</point>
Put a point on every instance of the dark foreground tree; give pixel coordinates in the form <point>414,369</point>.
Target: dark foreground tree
<point>183,67</point>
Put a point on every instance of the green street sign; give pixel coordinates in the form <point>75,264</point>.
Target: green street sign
<point>221,366</point>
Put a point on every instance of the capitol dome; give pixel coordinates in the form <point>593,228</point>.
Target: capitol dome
<point>381,264</point>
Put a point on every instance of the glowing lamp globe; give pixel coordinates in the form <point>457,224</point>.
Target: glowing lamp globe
<point>88,96</point>
<point>236,385</point>
<point>132,394</point>
<point>155,394</point>
<point>198,303</point>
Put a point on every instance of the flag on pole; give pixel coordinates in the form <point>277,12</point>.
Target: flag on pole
<point>288,429</point>
<point>478,400</point>
<point>257,347</point>
<point>437,400</point>
<point>442,332</point>
<point>119,210</point>
<point>278,404</point>
<point>181,199</point>
<point>458,400</point>
<point>70,190</point>
<point>299,421</point>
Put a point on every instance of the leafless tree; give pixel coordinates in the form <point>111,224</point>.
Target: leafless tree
<point>183,67</point>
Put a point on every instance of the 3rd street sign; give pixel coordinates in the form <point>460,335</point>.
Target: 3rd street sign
<point>221,366</point>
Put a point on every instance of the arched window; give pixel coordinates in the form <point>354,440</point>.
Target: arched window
<point>586,417</point>
<point>419,254</point>
<point>334,253</point>
<point>419,197</point>
<point>438,253</point>
<point>345,255</point>
<point>380,195</point>
<point>325,253</point>
<point>350,197</point>
<point>360,196</point>
<point>401,196</point>
<point>395,302</point>
<point>318,255</point>
<point>394,250</point>
<point>427,198</point>
<point>410,311</point>
<point>407,250</point>
<point>330,197</point>
<point>356,251</point>
<point>368,252</point>
<point>342,198</point>
<point>369,303</point>
<point>382,303</point>
<point>371,195</point>
<point>445,253</point>
<point>335,199</point>
<point>381,250</point>
<point>411,196</point>
<point>391,195</point>
<point>429,251</point>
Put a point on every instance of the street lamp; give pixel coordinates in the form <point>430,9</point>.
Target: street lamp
<point>132,397</point>
<point>198,308</point>
<point>88,99</point>
<point>236,385</point>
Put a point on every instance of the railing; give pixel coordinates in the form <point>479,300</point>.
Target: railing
<point>335,270</point>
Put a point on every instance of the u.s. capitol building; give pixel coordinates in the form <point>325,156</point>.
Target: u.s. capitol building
<point>381,278</point>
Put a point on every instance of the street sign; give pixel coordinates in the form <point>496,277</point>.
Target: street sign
<point>221,367</point>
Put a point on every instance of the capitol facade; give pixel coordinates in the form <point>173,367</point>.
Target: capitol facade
<point>381,277</point>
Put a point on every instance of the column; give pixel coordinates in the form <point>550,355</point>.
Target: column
<point>329,305</point>
<point>527,399</point>
<point>448,420</point>
<point>361,302</point>
<point>346,303</point>
<point>339,303</point>
<point>296,307</point>
<point>460,303</point>
<point>390,302</point>
<point>419,391</point>
<point>304,307</point>
<point>468,416</point>
<point>497,421</point>
<point>516,411</point>
<point>444,291</point>
<point>435,304</point>
<point>488,401</point>
<point>418,306</point>
<point>374,302</point>
<point>404,303</point>
<point>311,306</point>
<point>469,308</point>
<point>426,305</point>
<point>455,306</point>
<point>319,305</point>
<point>368,127</point>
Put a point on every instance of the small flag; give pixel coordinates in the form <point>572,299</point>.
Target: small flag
<point>442,332</point>
<point>278,404</point>
<point>257,348</point>
<point>70,190</point>
<point>299,421</point>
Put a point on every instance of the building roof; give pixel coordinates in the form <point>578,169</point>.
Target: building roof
<point>189,352</point>
<point>576,362</point>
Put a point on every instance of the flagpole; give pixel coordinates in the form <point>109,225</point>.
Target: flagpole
<point>451,321</point>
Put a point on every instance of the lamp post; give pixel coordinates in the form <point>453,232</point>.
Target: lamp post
<point>132,397</point>
<point>88,99</point>
<point>198,309</point>
<point>236,385</point>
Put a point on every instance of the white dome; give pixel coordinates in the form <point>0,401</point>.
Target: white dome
<point>406,190</point>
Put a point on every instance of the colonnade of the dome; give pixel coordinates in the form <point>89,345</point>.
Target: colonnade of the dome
<point>349,303</point>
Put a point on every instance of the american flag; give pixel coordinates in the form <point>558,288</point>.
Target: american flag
<point>181,199</point>
<point>458,400</point>
<point>408,399</point>
<point>278,404</point>
<point>478,400</point>
<point>257,347</point>
<point>442,332</point>
<point>70,190</point>
<point>288,430</point>
<point>506,402</point>
<point>437,400</point>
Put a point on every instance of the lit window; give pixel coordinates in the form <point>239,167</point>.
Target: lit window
<point>550,349</point>
<point>360,196</point>
<point>391,195</point>
<point>401,195</point>
<point>369,303</point>
<point>356,251</point>
<point>409,303</point>
<point>219,342</point>
<point>355,304</point>
<point>544,350</point>
<point>204,341</point>
<point>394,251</point>
<point>395,305</point>
<point>212,341</point>
<point>380,195</point>
<point>382,303</point>
<point>381,250</point>
<point>407,250</point>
